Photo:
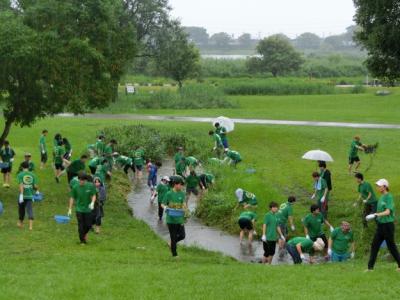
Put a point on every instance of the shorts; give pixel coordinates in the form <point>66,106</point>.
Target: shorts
<point>352,160</point>
<point>269,248</point>
<point>59,167</point>
<point>225,143</point>
<point>339,257</point>
<point>284,229</point>
<point>194,191</point>
<point>6,170</point>
<point>43,157</point>
<point>152,181</point>
<point>139,168</point>
<point>245,224</point>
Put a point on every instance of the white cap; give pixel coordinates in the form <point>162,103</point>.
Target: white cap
<point>382,182</point>
<point>166,178</point>
<point>239,194</point>
<point>319,244</point>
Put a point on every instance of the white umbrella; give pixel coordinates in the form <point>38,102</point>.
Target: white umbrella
<point>318,155</point>
<point>225,122</point>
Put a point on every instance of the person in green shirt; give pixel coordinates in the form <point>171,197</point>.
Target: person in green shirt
<point>270,233</point>
<point>218,146</point>
<point>27,158</point>
<point>124,162</point>
<point>93,163</point>
<point>285,214</point>
<point>75,166</point>
<point>245,198</point>
<point>59,152</point>
<point>247,223</point>
<point>340,242</point>
<point>206,181</point>
<point>192,183</point>
<point>68,149</point>
<point>98,212</point>
<point>385,225</point>
<point>178,155</point>
<point>297,246</point>
<point>100,145</point>
<point>180,168</point>
<point>175,199</point>
<point>103,171</point>
<point>27,185</point>
<point>43,149</point>
<point>367,196</point>
<point>138,160</point>
<point>222,132</point>
<point>313,225</point>
<point>109,150</point>
<point>161,190</point>
<point>84,197</point>
<point>7,155</point>
<point>355,146</point>
<point>192,162</point>
<point>232,157</point>
<point>321,193</point>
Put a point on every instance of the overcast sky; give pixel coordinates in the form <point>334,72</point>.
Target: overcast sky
<point>266,17</point>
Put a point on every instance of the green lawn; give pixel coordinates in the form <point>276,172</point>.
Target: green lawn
<point>128,261</point>
<point>364,108</point>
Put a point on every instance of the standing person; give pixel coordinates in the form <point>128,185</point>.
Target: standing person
<point>7,155</point>
<point>160,192</point>
<point>385,220</point>
<point>27,184</point>
<point>68,149</point>
<point>284,215</point>
<point>313,225</point>
<point>101,196</point>
<point>218,146</point>
<point>222,132</point>
<point>103,170</point>
<point>84,197</point>
<point>180,167</point>
<point>57,139</point>
<point>138,160</point>
<point>367,196</point>
<point>100,145</point>
<point>59,152</point>
<point>297,246</point>
<point>192,184</point>
<point>321,193</point>
<point>43,149</point>
<point>232,157</point>
<point>353,153</point>
<point>76,166</point>
<point>152,177</point>
<point>270,233</point>
<point>245,198</point>
<point>109,150</point>
<point>340,242</point>
<point>178,156</point>
<point>175,199</point>
<point>28,159</point>
<point>247,223</point>
<point>325,174</point>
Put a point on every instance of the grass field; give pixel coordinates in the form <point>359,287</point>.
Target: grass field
<point>365,108</point>
<point>128,261</point>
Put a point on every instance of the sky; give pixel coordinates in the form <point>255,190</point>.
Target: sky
<point>266,17</point>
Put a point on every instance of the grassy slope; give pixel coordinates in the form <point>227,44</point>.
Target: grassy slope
<point>340,108</point>
<point>48,263</point>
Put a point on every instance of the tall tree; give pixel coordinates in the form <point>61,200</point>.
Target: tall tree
<point>308,40</point>
<point>379,34</point>
<point>221,39</point>
<point>277,56</point>
<point>197,35</point>
<point>245,39</point>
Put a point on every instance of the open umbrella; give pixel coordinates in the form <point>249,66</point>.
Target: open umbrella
<point>225,122</point>
<point>318,155</point>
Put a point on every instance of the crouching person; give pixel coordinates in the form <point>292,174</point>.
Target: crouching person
<point>340,242</point>
<point>297,246</point>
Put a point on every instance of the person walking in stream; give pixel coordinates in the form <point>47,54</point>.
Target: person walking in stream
<point>161,190</point>
<point>247,223</point>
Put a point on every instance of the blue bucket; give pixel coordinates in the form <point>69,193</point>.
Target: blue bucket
<point>250,171</point>
<point>62,219</point>
<point>1,208</point>
<point>38,197</point>
<point>175,212</point>
<point>4,165</point>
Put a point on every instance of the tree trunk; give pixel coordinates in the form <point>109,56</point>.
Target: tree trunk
<point>6,131</point>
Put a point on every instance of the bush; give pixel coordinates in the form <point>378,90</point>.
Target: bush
<point>193,96</point>
<point>358,89</point>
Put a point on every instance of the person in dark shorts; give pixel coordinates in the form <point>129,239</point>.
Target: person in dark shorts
<point>7,157</point>
<point>325,174</point>
<point>367,196</point>
<point>355,146</point>
<point>192,185</point>
<point>161,190</point>
<point>247,224</point>
<point>76,166</point>
<point>59,152</point>
<point>297,246</point>
<point>101,196</point>
<point>43,149</point>
<point>68,149</point>
<point>271,232</point>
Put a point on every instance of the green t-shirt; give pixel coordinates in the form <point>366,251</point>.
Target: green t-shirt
<point>320,192</point>
<point>74,181</point>
<point>221,131</point>
<point>42,144</point>
<point>76,166</point>
<point>234,155</point>
<point>7,154</point>
<point>218,140</point>
<point>28,180</point>
<point>108,150</point>
<point>99,147</point>
<point>82,194</point>
<point>314,224</point>
<point>162,190</point>
<point>192,181</point>
<point>138,157</point>
<point>59,152</point>
<point>101,172</point>
<point>177,157</point>
<point>306,244</point>
<point>353,148</point>
<point>272,223</point>
<point>31,167</point>
<point>248,198</point>
<point>285,211</point>
<point>386,202</point>
<point>191,161</point>
<point>341,241</point>
<point>180,167</point>
<point>209,178</point>
<point>124,160</point>
<point>364,189</point>
<point>175,200</point>
<point>94,162</point>
<point>248,215</point>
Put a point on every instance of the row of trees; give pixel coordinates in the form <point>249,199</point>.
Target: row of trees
<point>305,41</point>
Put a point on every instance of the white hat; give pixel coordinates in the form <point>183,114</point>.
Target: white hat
<point>319,244</point>
<point>239,194</point>
<point>166,178</point>
<point>382,182</point>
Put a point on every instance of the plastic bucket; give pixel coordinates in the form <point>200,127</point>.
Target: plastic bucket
<point>175,212</point>
<point>4,165</point>
<point>62,219</point>
<point>38,197</point>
